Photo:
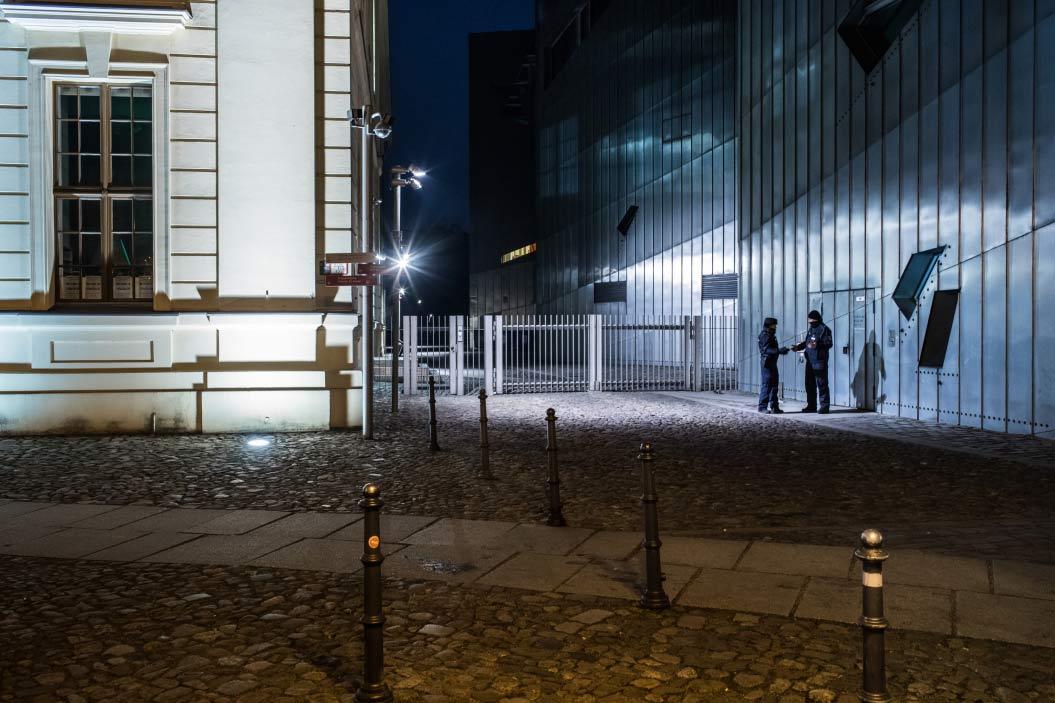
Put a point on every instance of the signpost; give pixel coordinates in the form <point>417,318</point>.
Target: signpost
<point>359,280</point>
<point>373,269</point>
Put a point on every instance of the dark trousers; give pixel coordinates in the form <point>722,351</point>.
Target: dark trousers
<point>768,392</point>
<point>817,385</point>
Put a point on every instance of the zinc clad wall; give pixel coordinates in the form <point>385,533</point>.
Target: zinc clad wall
<point>266,148</point>
<point>15,258</point>
<point>642,113</point>
<point>947,142</point>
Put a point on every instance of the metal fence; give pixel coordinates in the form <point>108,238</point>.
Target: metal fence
<point>566,353</point>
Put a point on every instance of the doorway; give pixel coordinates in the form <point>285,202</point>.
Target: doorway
<point>856,359</point>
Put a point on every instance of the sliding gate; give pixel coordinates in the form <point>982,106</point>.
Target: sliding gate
<point>568,353</point>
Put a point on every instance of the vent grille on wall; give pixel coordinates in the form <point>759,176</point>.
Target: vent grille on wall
<point>721,286</point>
<point>614,292</point>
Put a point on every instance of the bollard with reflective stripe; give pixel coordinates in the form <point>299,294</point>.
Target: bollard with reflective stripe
<point>434,445</point>
<point>654,597</point>
<point>373,689</point>
<point>873,622</point>
<point>556,517</point>
<point>485,447</point>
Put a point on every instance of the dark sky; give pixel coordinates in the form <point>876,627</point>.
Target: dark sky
<point>429,48</point>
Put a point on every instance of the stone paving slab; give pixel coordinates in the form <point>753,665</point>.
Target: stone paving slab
<point>695,551</point>
<point>336,556</point>
<point>120,517</point>
<point>741,590</point>
<point>624,579</point>
<point>1020,620</point>
<point>1014,578</point>
<point>141,547</point>
<point>610,545</point>
<point>394,528</point>
<point>177,520</point>
<point>534,572</point>
<point>15,533</point>
<point>452,531</point>
<point>797,559</point>
<point>70,544</point>
<point>453,563</point>
<point>238,522</point>
<point>17,508</point>
<point>918,568</point>
<point>540,539</point>
<point>313,525</point>
<point>64,515</point>
<point>221,549</point>
<point>906,607</point>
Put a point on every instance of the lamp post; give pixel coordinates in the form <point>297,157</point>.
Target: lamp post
<point>402,176</point>
<point>380,126</point>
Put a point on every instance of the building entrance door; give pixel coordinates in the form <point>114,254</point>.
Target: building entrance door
<point>855,362</point>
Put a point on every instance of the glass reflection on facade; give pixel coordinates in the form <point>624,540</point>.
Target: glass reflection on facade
<point>844,175</point>
<point>637,108</point>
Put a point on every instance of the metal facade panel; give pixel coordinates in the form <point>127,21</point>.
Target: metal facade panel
<point>1044,332</point>
<point>971,343</point>
<point>994,340</point>
<point>1020,136</point>
<point>1020,335</point>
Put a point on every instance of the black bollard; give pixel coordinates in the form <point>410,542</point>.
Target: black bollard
<point>556,518</point>
<point>873,622</point>
<point>485,447</point>
<point>433,444</point>
<point>654,597</point>
<point>373,688</point>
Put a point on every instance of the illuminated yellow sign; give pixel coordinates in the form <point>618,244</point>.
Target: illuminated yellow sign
<point>517,253</point>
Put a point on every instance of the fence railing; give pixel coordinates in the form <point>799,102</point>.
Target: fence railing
<point>567,353</point>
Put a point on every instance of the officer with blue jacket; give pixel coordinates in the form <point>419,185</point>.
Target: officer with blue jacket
<point>769,350</point>
<point>815,348</point>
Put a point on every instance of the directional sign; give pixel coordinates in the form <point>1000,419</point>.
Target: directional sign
<point>358,257</point>
<point>335,280</point>
<point>373,269</point>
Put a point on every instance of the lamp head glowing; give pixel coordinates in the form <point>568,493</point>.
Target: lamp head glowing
<point>402,292</point>
<point>403,261</point>
<point>416,171</point>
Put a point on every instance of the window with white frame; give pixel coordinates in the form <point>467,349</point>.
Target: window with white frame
<point>103,190</point>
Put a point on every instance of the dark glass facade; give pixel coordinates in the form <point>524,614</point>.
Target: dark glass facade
<point>637,104</point>
<point>947,142</point>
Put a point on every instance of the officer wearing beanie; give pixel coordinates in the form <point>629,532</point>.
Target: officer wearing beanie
<point>815,348</point>
<point>769,350</point>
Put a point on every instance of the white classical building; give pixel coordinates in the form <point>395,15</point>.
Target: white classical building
<point>171,175</point>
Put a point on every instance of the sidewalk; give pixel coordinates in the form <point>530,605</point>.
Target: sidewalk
<point>998,600</point>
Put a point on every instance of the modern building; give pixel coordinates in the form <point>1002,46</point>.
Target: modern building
<point>636,156</point>
<point>172,174</point>
<point>889,163</point>
<point>501,172</point>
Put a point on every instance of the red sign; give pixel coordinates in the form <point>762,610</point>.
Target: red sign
<point>353,258</point>
<point>337,280</point>
<point>372,269</point>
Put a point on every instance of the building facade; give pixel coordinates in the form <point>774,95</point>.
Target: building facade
<point>171,175</point>
<point>935,135</point>
<point>501,172</point>
<point>636,191</point>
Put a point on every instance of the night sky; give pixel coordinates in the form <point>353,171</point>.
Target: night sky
<point>429,50</point>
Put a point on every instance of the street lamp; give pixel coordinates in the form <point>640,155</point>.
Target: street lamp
<point>369,124</point>
<point>402,176</point>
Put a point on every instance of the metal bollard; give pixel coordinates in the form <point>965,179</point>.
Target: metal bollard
<point>373,688</point>
<point>556,518</point>
<point>485,447</point>
<point>873,623</point>
<point>654,597</point>
<point>433,444</point>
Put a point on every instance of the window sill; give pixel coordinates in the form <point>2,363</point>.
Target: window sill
<point>146,17</point>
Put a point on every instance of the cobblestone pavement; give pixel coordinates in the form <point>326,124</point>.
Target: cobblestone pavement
<point>75,631</point>
<point>720,472</point>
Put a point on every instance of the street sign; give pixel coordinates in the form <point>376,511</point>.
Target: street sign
<point>372,269</point>
<point>337,280</point>
<point>357,257</point>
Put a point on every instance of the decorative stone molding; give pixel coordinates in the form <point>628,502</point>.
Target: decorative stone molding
<point>144,17</point>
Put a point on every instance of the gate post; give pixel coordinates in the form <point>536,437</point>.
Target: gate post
<point>686,352</point>
<point>410,355</point>
<point>593,354</point>
<point>697,353</point>
<point>489,354</point>
<point>499,353</point>
<point>456,363</point>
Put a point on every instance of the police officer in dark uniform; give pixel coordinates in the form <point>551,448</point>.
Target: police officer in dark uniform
<point>815,348</point>
<point>769,350</point>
